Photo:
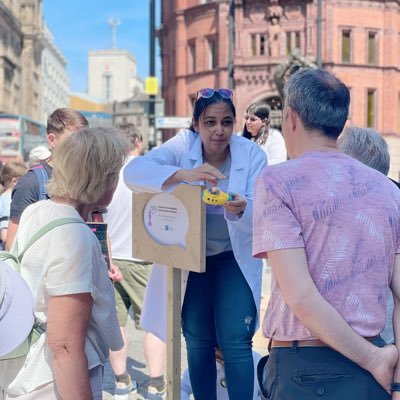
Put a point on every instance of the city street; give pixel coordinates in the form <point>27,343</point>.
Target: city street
<point>136,363</point>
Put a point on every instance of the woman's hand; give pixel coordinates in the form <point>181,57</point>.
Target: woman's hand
<point>204,172</point>
<point>237,205</point>
<point>115,274</point>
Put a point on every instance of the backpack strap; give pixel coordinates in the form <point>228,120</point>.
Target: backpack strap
<point>43,178</point>
<point>51,225</point>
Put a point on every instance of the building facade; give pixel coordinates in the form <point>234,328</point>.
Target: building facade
<point>359,42</point>
<point>20,57</point>
<point>136,111</point>
<point>55,87</point>
<point>112,75</point>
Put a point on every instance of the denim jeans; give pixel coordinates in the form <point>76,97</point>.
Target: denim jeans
<point>307,373</point>
<point>219,310</point>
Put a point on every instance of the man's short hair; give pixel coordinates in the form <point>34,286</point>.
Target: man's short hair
<point>63,118</point>
<point>320,99</point>
<point>131,133</point>
<point>86,164</point>
<point>367,146</point>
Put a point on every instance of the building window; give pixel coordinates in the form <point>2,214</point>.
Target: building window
<point>288,42</point>
<point>263,45</point>
<point>213,53</point>
<point>297,40</point>
<point>372,47</point>
<point>346,46</point>
<point>371,108</point>
<point>107,81</point>
<point>254,45</point>
<point>259,44</point>
<point>192,57</point>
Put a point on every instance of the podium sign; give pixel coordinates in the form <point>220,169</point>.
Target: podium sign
<point>169,228</point>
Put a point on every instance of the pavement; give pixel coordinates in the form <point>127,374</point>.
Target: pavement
<point>136,362</point>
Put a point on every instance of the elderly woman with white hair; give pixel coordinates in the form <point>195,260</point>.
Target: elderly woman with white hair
<point>73,296</point>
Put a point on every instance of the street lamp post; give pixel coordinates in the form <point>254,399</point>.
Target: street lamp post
<point>152,73</point>
<point>231,43</point>
<point>319,33</point>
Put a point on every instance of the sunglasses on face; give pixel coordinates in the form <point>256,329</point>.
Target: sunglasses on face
<point>207,93</point>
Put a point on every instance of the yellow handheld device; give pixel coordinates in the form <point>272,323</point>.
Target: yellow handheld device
<point>216,197</point>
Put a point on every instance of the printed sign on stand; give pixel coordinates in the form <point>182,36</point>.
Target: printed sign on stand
<point>169,229</point>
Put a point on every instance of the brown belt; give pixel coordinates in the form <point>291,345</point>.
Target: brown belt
<point>306,343</point>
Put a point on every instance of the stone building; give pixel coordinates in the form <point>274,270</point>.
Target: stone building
<point>55,89</point>
<point>360,43</point>
<point>20,57</point>
<point>112,75</point>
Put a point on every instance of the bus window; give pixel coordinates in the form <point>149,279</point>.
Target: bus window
<point>18,136</point>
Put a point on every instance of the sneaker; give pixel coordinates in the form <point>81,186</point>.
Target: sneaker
<point>154,393</point>
<point>126,392</point>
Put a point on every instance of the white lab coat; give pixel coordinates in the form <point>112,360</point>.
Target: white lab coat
<point>149,172</point>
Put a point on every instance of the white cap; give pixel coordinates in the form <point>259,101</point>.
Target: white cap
<point>37,154</point>
<point>16,309</point>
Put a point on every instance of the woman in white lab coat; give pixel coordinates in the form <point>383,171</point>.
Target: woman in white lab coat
<point>220,306</point>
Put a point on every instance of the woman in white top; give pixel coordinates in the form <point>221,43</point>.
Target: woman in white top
<point>220,306</point>
<point>257,128</point>
<point>73,296</point>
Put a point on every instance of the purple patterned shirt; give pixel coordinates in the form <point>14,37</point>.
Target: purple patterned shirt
<point>346,216</point>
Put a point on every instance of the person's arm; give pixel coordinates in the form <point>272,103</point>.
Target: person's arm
<point>395,288</point>
<point>3,234</point>
<point>11,233</point>
<point>67,322</point>
<point>290,269</point>
<point>204,172</point>
<point>114,272</point>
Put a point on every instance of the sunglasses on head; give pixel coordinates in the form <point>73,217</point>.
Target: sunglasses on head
<point>207,93</point>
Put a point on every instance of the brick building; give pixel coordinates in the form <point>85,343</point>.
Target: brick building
<point>360,43</point>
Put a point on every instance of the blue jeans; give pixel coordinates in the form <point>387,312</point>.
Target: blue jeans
<point>219,310</point>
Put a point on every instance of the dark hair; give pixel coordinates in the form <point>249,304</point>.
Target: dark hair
<point>130,132</point>
<point>63,118</point>
<point>202,103</point>
<point>320,99</point>
<point>262,111</point>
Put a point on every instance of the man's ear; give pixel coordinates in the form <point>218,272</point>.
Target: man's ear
<point>52,139</point>
<point>292,117</point>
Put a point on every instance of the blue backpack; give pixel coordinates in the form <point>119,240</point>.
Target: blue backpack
<point>43,178</point>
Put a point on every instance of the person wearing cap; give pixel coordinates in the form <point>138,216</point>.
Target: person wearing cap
<point>67,274</point>
<point>38,155</point>
<point>221,306</point>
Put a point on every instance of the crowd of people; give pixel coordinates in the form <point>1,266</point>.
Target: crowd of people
<point>314,201</point>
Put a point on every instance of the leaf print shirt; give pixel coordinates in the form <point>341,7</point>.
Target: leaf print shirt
<point>346,216</point>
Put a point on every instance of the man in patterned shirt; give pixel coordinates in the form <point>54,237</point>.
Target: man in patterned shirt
<point>330,228</point>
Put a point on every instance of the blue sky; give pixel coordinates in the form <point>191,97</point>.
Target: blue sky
<point>81,26</point>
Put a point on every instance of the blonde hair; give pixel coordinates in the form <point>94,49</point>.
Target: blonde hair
<point>87,164</point>
<point>11,170</point>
